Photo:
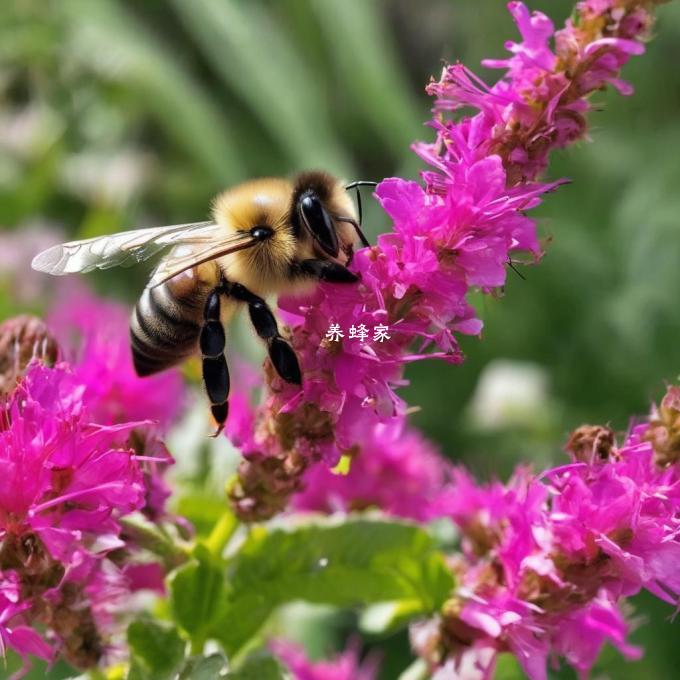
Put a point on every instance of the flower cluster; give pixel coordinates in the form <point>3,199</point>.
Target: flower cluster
<point>65,482</point>
<point>74,467</point>
<point>396,470</point>
<point>664,428</point>
<point>456,233</point>
<point>546,560</point>
<point>541,102</point>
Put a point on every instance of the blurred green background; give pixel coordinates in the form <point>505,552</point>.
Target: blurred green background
<point>117,114</point>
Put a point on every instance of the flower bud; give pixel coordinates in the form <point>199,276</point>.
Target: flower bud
<point>591,444</point>
<point>22,339</point>
<point>664,428</point>
<point>264,485</point>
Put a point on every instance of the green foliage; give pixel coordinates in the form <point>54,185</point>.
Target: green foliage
<point>226,31</point>
<point>356,563</point>
<point>157,650</point>
<point>364,58</point>
<point>260,667</point>
<point>196,589</point>
<point>388,616</point>
<point>202,510</point>
<point>174,98</point>
<point>203,668</point>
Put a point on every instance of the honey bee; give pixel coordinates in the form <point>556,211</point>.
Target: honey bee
<point>267,236</point>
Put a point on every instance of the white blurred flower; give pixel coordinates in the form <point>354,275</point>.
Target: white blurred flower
<point>509,393</point>
<point>17,248</point>
<point>26,131</point>
<point>109,179</point>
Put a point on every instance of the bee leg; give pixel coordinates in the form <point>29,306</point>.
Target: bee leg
<point>281,353</point>
<point>327,270</point>
<point>215,370</point>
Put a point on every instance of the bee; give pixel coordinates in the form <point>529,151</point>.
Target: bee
<point>267,236</point>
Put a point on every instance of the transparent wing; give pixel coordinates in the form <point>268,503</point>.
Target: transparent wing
<point>188,255</point>
<point>131,247</point>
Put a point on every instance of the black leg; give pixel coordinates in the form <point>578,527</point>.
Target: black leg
<point>215,371</point>
<point>327,270</point>
<point>280,352</point>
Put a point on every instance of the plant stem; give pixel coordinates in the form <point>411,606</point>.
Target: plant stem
<point>221,533</point>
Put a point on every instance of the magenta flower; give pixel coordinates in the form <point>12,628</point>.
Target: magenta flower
<point>344,666</point>
<point>65,484</point>
<point>399,472</point>
<point>409,285</point>
<point>94,333</point>
<point>62,478</point>
<point>14,633</point>
<point>546,560</point>
<point>540,103</point>
<point>455,234</point>
<point>624,509</point>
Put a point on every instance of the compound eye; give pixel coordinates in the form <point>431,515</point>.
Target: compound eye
<point>319,223</point>
<point>261,233</point>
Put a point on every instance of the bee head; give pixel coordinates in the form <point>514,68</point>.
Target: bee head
<point>321,208</point>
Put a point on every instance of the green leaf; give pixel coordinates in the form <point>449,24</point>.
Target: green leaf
<point>153,538</point>
<point>508,668</point>
<point>195,592</point>
<point>203,667</point>
<point>388,616</point>
<point>260,667</point>
<point>356,563</point>
<point>157,649</point>
<point>201,509</point>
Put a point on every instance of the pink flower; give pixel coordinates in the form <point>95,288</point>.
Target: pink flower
<point>65,484</point>
<point>345,666</point>
<point>455,234</point>
<point>14,634</point>
<point>61,477</point>
<point>580,636</point>
<point>94,333</point>
<point>18,246</point>
<point>517,591</point>
<point>625,509</point>
<point>416,282</point>
<point>546,560</point>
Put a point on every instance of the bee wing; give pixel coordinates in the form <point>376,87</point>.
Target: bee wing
<point>188,255</point>
<point>128,247</point>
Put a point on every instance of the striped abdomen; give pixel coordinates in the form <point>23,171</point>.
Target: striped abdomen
<point>166,323</point>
